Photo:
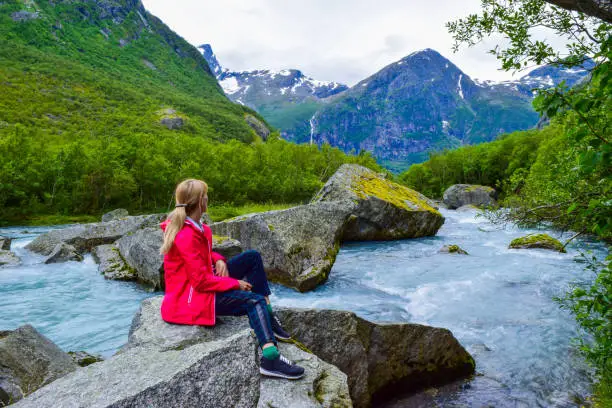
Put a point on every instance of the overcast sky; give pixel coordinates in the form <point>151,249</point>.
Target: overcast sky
<point>333,40</point>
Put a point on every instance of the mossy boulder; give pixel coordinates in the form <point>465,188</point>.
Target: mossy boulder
<point>298,245</point>
<point>28,361</point>
<point>453,249</point>
<point>111,264</point>
<point>380,360</point>
<point>459,195</point>
<point>543,241</point>
<point>383,210</point>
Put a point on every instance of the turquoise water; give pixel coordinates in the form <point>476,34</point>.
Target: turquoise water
<point>497,302</point>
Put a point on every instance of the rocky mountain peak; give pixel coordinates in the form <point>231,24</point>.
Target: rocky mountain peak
<point>211,59</point>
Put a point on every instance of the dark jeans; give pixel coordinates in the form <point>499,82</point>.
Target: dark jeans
<point>248,266</point>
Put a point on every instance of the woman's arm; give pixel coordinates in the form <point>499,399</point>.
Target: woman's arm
<point>199,270</point>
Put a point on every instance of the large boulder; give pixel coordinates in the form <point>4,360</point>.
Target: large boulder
<point>62,253</point>
<point>28,361</point>
<point>115,215</point>
<point>380,360</point>
<point>213,374</point>
<point>298,245</point>
<point>111,264</point>
<point>140,251</point>
<point>543,241</point>
<point>383,209</point>
<point>459,195</point>
<point>5,243</point>
<point>84,237</point>
<point>324,385</point>
<point>8,258</point>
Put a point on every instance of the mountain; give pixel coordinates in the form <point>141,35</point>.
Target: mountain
<point>423,103</point>
<point>102,105</point>
<point>115,51</point>
<point>286,98</point>
<point>544,77</point>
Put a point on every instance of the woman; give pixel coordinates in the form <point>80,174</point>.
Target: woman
<point>201,285</point>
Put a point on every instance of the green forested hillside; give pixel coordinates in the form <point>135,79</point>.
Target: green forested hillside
<point>84,86</point>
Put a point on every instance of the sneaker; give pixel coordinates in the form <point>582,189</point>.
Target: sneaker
<point>281,367</point>
<point>277,328</point>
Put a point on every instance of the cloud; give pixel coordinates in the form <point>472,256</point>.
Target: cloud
<point>340,40</point>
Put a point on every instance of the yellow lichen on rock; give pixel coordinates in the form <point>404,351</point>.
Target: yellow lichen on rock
<point>400,196</point>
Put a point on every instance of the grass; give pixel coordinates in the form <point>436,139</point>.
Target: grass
<point>43,220</point>
<point>224,211</point>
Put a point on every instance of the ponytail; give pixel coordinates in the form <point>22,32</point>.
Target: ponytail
<point>188,195</point>
<point>177,219</point>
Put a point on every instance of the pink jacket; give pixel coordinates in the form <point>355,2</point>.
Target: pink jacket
<point>190,281</point>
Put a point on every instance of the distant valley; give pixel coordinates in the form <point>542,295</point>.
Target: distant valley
<point>419,104</point>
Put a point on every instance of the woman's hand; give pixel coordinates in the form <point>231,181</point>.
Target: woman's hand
<point>244,285</point>
<point>221,268</point>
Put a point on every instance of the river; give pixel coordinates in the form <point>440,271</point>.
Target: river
<point>498,302</point>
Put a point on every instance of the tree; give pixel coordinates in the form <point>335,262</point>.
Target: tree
<point>596,8</point>
<point>570,182</point>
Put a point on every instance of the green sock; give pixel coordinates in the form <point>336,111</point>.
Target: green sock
<point>271,353</point>
<point>269,308</point>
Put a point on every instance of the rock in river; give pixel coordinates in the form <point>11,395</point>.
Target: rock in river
<point>298,245</point>
<point>383,210</point>
<point>84,237</point>
<point>28,361</point>
<point>543,241</point>
<point>380,360</point>
<point>459,195</point>
<point>62,253</point>
<point>8,258</point>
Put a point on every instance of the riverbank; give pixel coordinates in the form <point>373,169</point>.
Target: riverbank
<point>218,212</point>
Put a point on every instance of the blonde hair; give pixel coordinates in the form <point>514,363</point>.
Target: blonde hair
<point>188,196</point>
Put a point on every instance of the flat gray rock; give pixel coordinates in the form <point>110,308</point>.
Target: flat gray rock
<point>28,361</point>
<point>214,374</point>
<point>111,264</point>
<point>324,385</point>
<point>84,237</point>
<point>380,360</point>
<point>459,195</point>
<point>62,253</point>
